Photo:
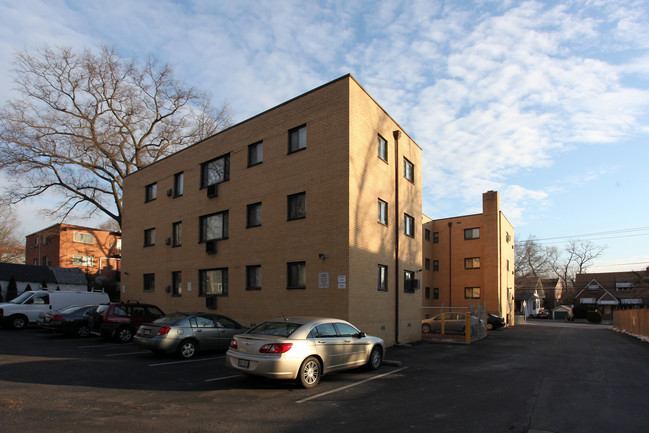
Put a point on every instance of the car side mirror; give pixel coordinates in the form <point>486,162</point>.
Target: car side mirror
<point>361,335</point>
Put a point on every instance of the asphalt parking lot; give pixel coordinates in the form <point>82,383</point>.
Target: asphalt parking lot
<point>541,377</point>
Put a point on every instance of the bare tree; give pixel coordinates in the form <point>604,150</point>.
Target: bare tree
<point>578,257</point>
<point>531,259</point>
<point>12,247</point>
<point>84,121</point>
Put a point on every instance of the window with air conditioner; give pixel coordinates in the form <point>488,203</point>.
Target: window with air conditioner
<point>213,282</point>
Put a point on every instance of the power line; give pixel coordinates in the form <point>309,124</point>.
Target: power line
<point>610,232</point>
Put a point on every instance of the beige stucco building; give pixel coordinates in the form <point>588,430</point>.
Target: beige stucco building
<point>469,260</point>
<point>310,208</point>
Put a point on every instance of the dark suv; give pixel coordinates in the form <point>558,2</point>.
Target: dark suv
<point>120,320</point>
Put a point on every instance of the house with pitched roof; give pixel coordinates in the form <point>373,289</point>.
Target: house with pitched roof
<point>608,291</point>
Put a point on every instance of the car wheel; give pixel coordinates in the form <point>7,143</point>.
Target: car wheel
<point>82,331</point>
<point>310,372</point>
<point>124,334</point>
<point>425,328</point>
<point>187,349</point>
<point>376,356</point>
<point>490,326</point>
<point>18,322</point>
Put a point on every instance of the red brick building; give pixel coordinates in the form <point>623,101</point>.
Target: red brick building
<point>96,252</point>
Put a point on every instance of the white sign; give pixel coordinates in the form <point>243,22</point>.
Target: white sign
<point>342,281</point>
<point>323,280</point>
<point>189,287</point>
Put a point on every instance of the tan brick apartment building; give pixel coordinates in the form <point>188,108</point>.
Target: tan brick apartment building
<point>94,251</point>
<point>470,260</point>
<point>310,208</point>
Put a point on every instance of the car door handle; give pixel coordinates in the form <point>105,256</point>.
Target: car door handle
<point>322,342</point>
<point>348,341</point>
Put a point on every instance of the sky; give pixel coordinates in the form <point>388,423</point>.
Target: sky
<point>546,102</point>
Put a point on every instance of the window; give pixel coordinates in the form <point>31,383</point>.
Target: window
<point>383,278</point>
<point>297,139</point>
<point>383,212</point>
<point>176,283</point>
<point>296,275</point>
<point>409,282</point>
<point>179,184</point>
<point>79,260</point>
<point>435,292</point>
<point>297,206</point>
<point>253,277</point>
<point>149,282</point>
<point>255,154</point>
<point>436,265</point>
<point>427,261</point>
<point>408,170</point>
<point>472,293</point>
<point>84,238</point>
<point>213,282</point>
<point>427,293</point>
<point>472,263</point>
<point>149,237</point>
<point>213,227</point>
<point>409,225</point>
<point>435,237</point>
<point>253,218</point>
<point>177,234</point>
<point>427,234</point>
<point>473,233</point>
<point>383,149</point>
<point>150,192</point>
<point>215,171</point>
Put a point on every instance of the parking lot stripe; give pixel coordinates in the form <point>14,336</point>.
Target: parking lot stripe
<point>125,354</point>
<point>182,362</point>
<point>100,345</point>
<point>223,378</point>
<point>313,397</point>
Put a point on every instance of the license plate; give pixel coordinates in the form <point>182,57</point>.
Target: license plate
<point>147,332</point>
<point>243,363</point>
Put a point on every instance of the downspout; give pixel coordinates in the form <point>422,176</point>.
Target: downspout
<point>450,270</point>
<point>396,134</point>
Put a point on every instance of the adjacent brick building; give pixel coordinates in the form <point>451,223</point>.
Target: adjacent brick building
<point>310,208</point>
<point>469,260</point>
<point>96,252</point>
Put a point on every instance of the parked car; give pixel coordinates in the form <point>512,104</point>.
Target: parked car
<point>543,314</point>
<point>28,307</point>
<point>120,320</point>
<point>187,333</point>
<point>494,322</point>
<point>71,320</point>
<point>454,323</point>
<point>304,349</point>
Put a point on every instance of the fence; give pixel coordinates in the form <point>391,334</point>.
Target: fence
<point>459,324</point>
<point>634,321</point>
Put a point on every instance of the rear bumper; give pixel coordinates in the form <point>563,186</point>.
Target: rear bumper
<point>266,366</point>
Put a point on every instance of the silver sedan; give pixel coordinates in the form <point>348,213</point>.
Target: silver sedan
<point>304,349</point>
<point>187,333</point>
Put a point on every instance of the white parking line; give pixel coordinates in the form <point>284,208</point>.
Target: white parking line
<point>125,354</point>
<point>313,397</point>
<point>100,345</point>
<point>182,362</point>
<point>223,378</point>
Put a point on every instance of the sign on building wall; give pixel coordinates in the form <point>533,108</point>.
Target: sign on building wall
<point>342,281</point>
<point>323,280</point>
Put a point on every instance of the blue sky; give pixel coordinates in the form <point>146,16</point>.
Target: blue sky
<point>546,102</point>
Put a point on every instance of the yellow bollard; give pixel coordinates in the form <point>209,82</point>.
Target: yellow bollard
<point>443,317</point>
<point>467,327</point>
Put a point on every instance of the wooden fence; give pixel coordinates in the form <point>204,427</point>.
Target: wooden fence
<point>634,322</point>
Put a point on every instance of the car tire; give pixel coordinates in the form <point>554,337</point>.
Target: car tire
<point>18,322</point>
<point>375,359</point>
<point>187,349</point>
<point>82,331</point>
<point>425,328</point>
<point>124,334</point>
<point>310,372</point>
<point>490,326</point>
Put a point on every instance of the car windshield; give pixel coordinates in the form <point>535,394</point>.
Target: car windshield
<point>170,319</point>
<point>280,329</point>
<point>20,299</point>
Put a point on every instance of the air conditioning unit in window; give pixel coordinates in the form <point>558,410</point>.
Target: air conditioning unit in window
<point>210,247</point>
<point>213,190</point>
<point>168,241</point>
<point>170,192</point>
<point>210,302</point>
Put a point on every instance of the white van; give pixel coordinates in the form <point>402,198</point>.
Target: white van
<point>27,307</point>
